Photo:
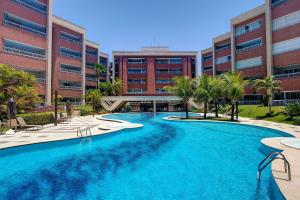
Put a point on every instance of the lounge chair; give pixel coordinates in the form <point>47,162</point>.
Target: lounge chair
<point>60,119</point>
<point>12,123</point>
<point>25,126</point>
<point>65,117</point>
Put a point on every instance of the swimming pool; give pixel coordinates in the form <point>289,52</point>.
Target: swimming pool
<point>161,160</point>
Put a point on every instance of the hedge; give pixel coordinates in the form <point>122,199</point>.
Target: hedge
<point>297,120</point>
<point>38,118</point>
<point>84,110</point>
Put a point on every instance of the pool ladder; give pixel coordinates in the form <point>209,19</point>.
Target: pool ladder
<point>87,131</point>
<point>270,158</point>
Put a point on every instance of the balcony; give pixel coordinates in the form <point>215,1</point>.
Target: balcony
<point>137,71</point>
<point>136,91</point>
<point>168,61</point>
<point>70,69</point>
<point>169,71</point>
<point>91,77</point>
<point>23,24</point>
<point>70,53</point>
<point>136,60</point>
<point>69,85</point>
<point>23,49</point>
<point>69,37</point>
<point>136,81</point>
<point>276,3</point>
<point>91,53</point>
<point>249,45</point>
<point>34,5</point>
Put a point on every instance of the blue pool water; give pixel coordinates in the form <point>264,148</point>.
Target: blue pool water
<point>162,160</point>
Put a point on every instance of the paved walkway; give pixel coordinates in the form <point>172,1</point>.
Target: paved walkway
<point>76,128</point>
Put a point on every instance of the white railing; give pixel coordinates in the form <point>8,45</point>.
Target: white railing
<point>22,52</point>
<point>21,27</point>
<point>289,75</point>
<point>248,48</point>
<point>90,79</point>
<point>70,40</point>
<point>70,71</point>
<point>70,87</point>
<point>70,55</point>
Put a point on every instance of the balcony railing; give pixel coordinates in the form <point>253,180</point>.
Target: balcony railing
<point>23,52</point>
<point>41,80</point>
<point>21,27</point>
<point>70,87</point>
<point>90,79</point>
<point>290,75</point>
<point>70,40</point>
<point>70,55</point>
<point>32,7</point>
<point>70,71</point>
<point>248,48</point>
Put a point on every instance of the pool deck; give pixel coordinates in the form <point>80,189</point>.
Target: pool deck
<point>290,189</point>
<point>64,131</point>
<point>99,126</point>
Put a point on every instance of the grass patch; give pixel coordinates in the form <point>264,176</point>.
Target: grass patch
<point>261,113</point>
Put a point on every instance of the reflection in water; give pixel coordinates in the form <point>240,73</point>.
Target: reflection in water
<point>69,178</point>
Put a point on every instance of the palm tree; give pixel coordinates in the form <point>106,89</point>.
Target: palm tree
<point>217,93</point>
<point>183,88</point>
<point>99,69</point>
<point>270,86</point>
<point>204,87</point>
<point>94,98</point>
<point>111,89</point>
<point>234,90</point>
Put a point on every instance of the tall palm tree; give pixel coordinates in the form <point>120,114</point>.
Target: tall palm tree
<point>217,93</point>
<point>183,88</point>
<point>270,86</point>
<point>204,87</point>
<point>234,90</point>
<point>99,69</point>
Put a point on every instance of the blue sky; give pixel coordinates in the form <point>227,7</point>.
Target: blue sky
<point>131,24</point>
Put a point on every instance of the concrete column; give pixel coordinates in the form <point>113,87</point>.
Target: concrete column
<point>214,58</point>
<point>232,48</point>
<point>125,75</point>
<point>83,65</point>
<point>154,106</point>
<point>185,66</point>
<point>268,19</point>
<point>48,94</point>
<point>151,76</point>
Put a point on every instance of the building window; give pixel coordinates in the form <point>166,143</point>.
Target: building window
<point>137,81</point>
<point>91,53</point>
<point>23,24</point>
<point>90,65</point>
<point>34,5</point>
<point>287,72</point>
<point>163,81</point>
<point>91,77</point>
<point>72,100</point>
<point>162,91</point>
<point>248,28</point>
<point>70,37</point>
<point>70,53</point>
<point>249,63</point>
<point>222,47</point>
<point>136,91</point>
<point>278,2</point>
<point>137,71</point>
<point>39,75</point>
<point>207,58</point>
<point>207,68</point>
<point>70,68</point>
<point>90,87</point>
<point>286,46</point>
<point>286,21</point>
<point>23,49</point>
<point>136,60</point>
<point>223,60</point>
<point>249,45</point>
<point>168,61</point>
<point>169,71</point>
<point>64,84</point>
<point>103,61</point>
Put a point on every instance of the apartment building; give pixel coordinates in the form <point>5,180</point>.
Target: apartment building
<point>52,49</point>
<point>146,72</point>
<point>24,32</point>
<point>207,62</point>
<point>264,41</point>
<point>103,60</point>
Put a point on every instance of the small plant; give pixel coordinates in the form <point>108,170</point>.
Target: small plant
<point>3,129</point>
<point>84,110</point>
<point>297,120</point>
<point>292,109</point>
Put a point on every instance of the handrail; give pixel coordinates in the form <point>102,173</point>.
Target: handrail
<point>287,167</point>
<point>87,132</point>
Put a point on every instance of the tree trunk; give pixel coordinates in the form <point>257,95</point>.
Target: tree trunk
<point>232,111</point>
<point>205,109</point>
<point>237,110</point>
<point>217,109</point>
<point>186,110</point>
<point>93,110</point>
<point>270,105</point>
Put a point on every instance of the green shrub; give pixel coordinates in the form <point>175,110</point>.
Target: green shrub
<point>38,118</point>
<point>3,129</point>
<point>297,120</point>
<point>84,110</point>
<point>292,109</point>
